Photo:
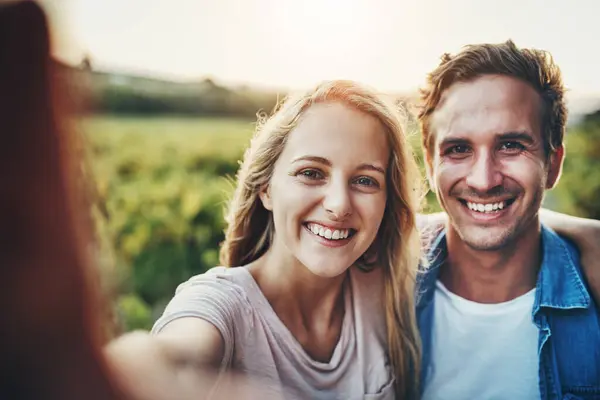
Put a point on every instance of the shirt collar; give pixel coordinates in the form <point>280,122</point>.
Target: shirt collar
<point>560,283</point>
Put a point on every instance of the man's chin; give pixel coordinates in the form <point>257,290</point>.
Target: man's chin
<point>485,239</point>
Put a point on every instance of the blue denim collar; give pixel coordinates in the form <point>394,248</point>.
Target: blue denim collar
<point>560,283</point>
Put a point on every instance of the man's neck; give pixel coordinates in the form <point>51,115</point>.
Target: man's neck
<point>492,276</point>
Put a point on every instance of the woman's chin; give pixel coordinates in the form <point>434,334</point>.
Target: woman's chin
<point>327,269</point>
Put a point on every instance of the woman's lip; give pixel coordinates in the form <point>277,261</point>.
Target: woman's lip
<point>328,242</point>
<point>328,226</point>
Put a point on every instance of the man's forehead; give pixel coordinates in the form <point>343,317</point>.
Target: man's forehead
<point>488,103</point>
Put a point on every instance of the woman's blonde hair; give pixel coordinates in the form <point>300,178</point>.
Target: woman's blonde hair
<point>396,247</point>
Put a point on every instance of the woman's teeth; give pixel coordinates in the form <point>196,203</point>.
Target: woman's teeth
<point>327,233</point>
<point>486,208</point>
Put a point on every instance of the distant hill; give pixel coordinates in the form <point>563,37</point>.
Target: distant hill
<point>121,93</point>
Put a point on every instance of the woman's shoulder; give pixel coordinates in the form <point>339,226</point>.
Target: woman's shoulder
<point>233,283</point>
<point>218,295</point>
<point>219,278</point>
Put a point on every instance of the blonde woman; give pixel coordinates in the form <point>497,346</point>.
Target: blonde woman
<point>322,232</point>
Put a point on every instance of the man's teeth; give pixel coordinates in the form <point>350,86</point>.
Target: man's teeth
<point>486,208</point>
<point>335,234</point>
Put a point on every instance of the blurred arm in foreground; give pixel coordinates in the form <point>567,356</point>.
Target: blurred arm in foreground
<point>177,364</point>
<point>178,361</point>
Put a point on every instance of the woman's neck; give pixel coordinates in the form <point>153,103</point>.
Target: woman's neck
<point>310,306</point>
<point>283,279</point>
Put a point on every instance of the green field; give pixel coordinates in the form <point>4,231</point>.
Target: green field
<point>162,184</point>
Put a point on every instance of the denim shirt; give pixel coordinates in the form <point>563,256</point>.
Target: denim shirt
<point>566,316</point>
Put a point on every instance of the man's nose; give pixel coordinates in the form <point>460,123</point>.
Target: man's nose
<point>484,174</point>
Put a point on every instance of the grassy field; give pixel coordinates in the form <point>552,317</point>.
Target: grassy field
<point>162,184</point>
<point>155,143</point>
<point>161,190</point>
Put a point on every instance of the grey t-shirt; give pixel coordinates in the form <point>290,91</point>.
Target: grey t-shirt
<point>258,344</point>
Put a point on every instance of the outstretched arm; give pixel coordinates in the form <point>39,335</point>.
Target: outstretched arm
<point>180,363</point>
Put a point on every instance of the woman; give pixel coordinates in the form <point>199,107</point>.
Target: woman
<point>322,228</point>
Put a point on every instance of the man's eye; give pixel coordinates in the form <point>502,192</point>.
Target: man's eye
<point>512,147</point>
<point>457,150</point>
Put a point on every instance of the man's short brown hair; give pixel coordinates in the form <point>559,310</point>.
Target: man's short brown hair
<point>536,67</point>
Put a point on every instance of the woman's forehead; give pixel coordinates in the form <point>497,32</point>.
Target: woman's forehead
<point>336,132</point>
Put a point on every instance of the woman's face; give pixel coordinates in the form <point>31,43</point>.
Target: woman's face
<point>328,190</point>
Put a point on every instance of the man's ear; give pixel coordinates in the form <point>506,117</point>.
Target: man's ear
<point>265,198</point>
<point>555,164</point>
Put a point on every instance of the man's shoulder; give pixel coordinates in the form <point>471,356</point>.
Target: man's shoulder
<point>558,248</point>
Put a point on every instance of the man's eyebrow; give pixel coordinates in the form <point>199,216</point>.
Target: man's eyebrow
<point>456,140</point>
<point>317,159</point>
<point>519,136</point>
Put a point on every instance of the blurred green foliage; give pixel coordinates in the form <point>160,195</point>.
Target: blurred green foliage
<point>163,182</point>
<point>133,312</point>
<point>578,192</point>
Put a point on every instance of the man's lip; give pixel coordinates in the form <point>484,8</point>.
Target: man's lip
<point>488,216</point>
<point>487,201</point>
<point>506,203</point>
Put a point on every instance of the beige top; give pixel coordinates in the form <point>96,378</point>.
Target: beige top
<point>258,343</point>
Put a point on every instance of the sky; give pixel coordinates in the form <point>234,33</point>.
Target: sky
<point>390,44</point>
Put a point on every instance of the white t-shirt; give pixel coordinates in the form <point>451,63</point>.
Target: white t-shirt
<point>482,351</point>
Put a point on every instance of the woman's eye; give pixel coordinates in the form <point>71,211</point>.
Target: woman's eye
<point>311,174</point>
<point>366,181</point>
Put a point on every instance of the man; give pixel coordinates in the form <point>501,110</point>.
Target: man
<point>503,308</point>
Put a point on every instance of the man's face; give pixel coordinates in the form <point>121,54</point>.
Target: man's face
<point>488,164</point>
